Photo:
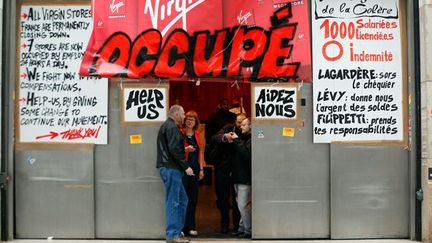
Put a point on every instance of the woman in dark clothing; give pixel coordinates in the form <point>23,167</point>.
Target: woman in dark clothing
<point>193,156</point>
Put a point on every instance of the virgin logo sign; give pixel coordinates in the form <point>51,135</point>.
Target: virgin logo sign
<point>169,13</point>
<point>117,9</point>
<point>115,6</point>
<point>243,18</point>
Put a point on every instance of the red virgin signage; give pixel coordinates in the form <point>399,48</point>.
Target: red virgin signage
<point>196,39</point>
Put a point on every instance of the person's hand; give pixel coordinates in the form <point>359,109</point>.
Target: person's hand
<point>189,171</point>
<point>228,137</point>
<point>190,148</point>
<point>201,175</point>
<point>234,136</point>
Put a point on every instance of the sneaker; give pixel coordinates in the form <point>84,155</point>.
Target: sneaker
<point>178,239</point>
<point>193,232</point>
<point>185,238</point>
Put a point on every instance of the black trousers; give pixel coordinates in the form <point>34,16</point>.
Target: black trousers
<point>190,184</point>
<point>225,198</point>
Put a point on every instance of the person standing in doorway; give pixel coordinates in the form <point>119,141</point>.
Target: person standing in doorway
<point>242,177</point>
<point>172,166</point>
<point>214,155</point>
<point>192,144</point>
<point>224,186</point>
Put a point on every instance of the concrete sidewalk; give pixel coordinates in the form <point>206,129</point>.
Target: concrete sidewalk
<point>214,240</point>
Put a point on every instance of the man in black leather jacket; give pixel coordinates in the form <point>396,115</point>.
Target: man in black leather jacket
<point>172,166</point>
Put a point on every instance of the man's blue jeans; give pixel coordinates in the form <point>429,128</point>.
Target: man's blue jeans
<point>176,201</point>
<point>244,202</point>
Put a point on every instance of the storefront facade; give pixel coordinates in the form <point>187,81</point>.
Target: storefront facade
<point>304,187</point>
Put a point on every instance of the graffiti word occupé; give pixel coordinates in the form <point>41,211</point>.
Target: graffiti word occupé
<point>223,54</point>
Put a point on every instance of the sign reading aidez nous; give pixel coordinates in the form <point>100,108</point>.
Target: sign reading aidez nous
<point>275,102</point>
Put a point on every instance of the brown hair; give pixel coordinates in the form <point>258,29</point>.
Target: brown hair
<point>195,116</point>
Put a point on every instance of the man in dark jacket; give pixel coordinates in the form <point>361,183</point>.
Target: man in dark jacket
<point>172,166</point>
<point>242,174</point>
<point>223,168</point>
<point>219,119</point>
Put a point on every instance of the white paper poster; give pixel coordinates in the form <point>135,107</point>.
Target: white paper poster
<point>55,103</point>
<point>145,104</point>
<point>357,71</point>
<point>275,102</point>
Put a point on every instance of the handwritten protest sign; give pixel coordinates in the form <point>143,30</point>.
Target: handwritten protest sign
<point>143,103</point>
<point>55,103</point>
<point>357,71</point>
<point>275,102</point>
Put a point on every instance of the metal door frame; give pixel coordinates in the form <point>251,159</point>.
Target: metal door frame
<point>7,119</point>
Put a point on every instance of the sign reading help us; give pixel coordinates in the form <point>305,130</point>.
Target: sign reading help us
<point>145,104</point>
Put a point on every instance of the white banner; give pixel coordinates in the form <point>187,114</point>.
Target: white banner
<point>275,102</point>
<point>357,71</point>
<point>55,103</point>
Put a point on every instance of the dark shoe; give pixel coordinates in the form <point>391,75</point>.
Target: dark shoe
<point>237,233</point>
<point>244,235</point>
<point>224,230</point>
<point>178,239</point>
